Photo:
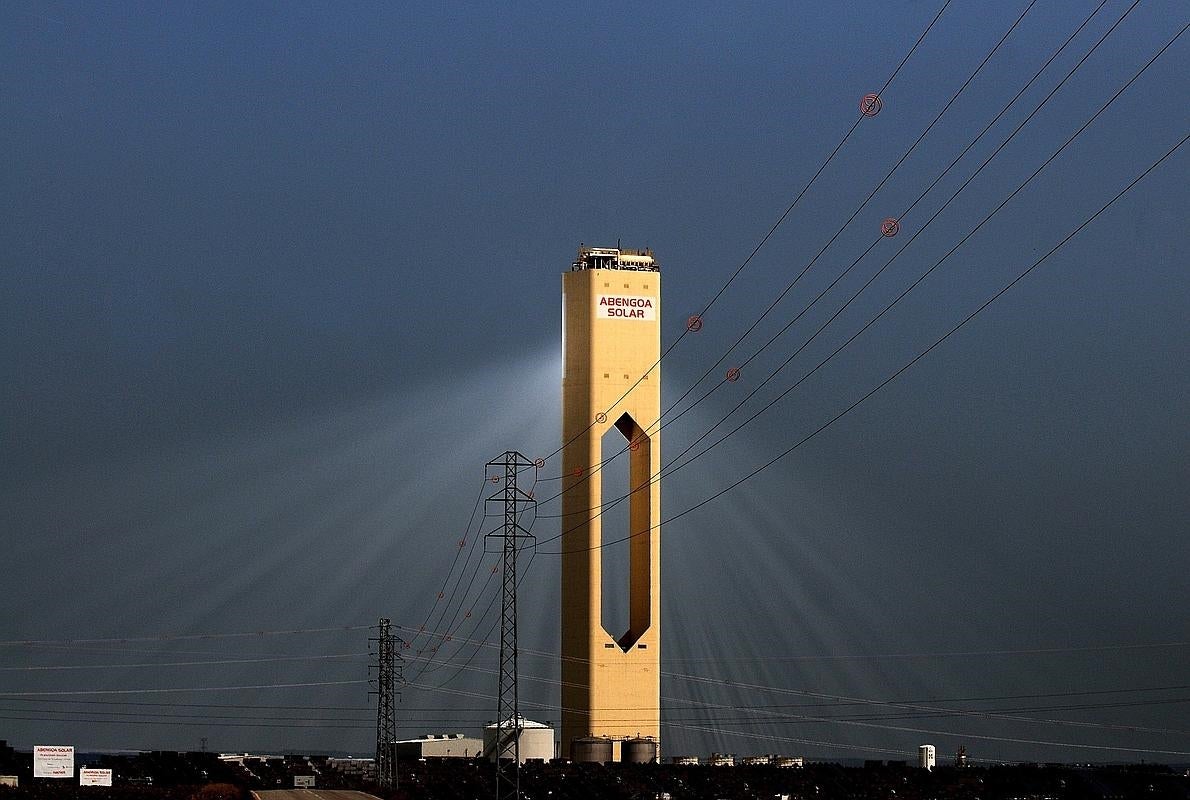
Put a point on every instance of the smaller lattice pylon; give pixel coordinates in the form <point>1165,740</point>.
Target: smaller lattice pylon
<point>389,671</point>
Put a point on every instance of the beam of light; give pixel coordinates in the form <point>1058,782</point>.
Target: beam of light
<point>330,519</point>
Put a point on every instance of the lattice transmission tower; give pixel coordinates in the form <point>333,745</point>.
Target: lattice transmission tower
<point>514,501</point>
<point>389,673</point>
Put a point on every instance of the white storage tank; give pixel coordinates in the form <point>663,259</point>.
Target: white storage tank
<point>536,740</point>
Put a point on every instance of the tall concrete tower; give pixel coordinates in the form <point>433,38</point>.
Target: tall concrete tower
<point>611,306</point>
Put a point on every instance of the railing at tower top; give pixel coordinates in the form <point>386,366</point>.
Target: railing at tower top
<point>615,258</point>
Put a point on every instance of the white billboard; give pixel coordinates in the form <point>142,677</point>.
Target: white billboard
<point>53,761</point>
<point>303,781</point>
<point>95,777</point>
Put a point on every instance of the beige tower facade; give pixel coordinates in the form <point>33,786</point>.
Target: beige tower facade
<point>611,327</point>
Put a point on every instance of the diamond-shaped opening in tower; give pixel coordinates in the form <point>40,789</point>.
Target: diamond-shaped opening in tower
<point>626,536</point>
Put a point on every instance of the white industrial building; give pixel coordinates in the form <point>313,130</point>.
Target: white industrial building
<point>444,745</point>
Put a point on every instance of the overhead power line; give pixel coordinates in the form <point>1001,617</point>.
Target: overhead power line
<point>85,692</point>
<point>464,602</point>
<point>874,242</point>
<point>780,220</point>
<point>767,713</point>
<point>214,662</point>
<point>294,724</point>
<point>179,637</point>
<point>158,704</point>
<point>670,469</point>
<point>1047,651</point>
<point>588,473</point>
<point>468,535</point>
<point>905,246</point>
<point>941,654</point>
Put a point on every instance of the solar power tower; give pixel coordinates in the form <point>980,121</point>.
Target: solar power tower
<point>611,306</point>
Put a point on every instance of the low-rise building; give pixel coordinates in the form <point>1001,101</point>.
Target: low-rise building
<point>444,745</point>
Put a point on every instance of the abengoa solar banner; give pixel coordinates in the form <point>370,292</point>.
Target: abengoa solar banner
<point>95,777</point>
<point>612,306</point>
<point>53,761</point>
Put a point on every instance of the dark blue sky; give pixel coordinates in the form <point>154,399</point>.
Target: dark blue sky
<point>278,279</point>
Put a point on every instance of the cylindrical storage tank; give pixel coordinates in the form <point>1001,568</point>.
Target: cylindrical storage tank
<point>537,743</point>
<point>536,740</point>
<point>638,751</point>
<point>591,750</point>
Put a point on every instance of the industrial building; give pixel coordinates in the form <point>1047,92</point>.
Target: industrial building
<point>611,306</point>
<point>446,745</point>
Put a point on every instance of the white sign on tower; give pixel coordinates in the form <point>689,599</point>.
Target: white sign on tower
<point>615,306</point>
